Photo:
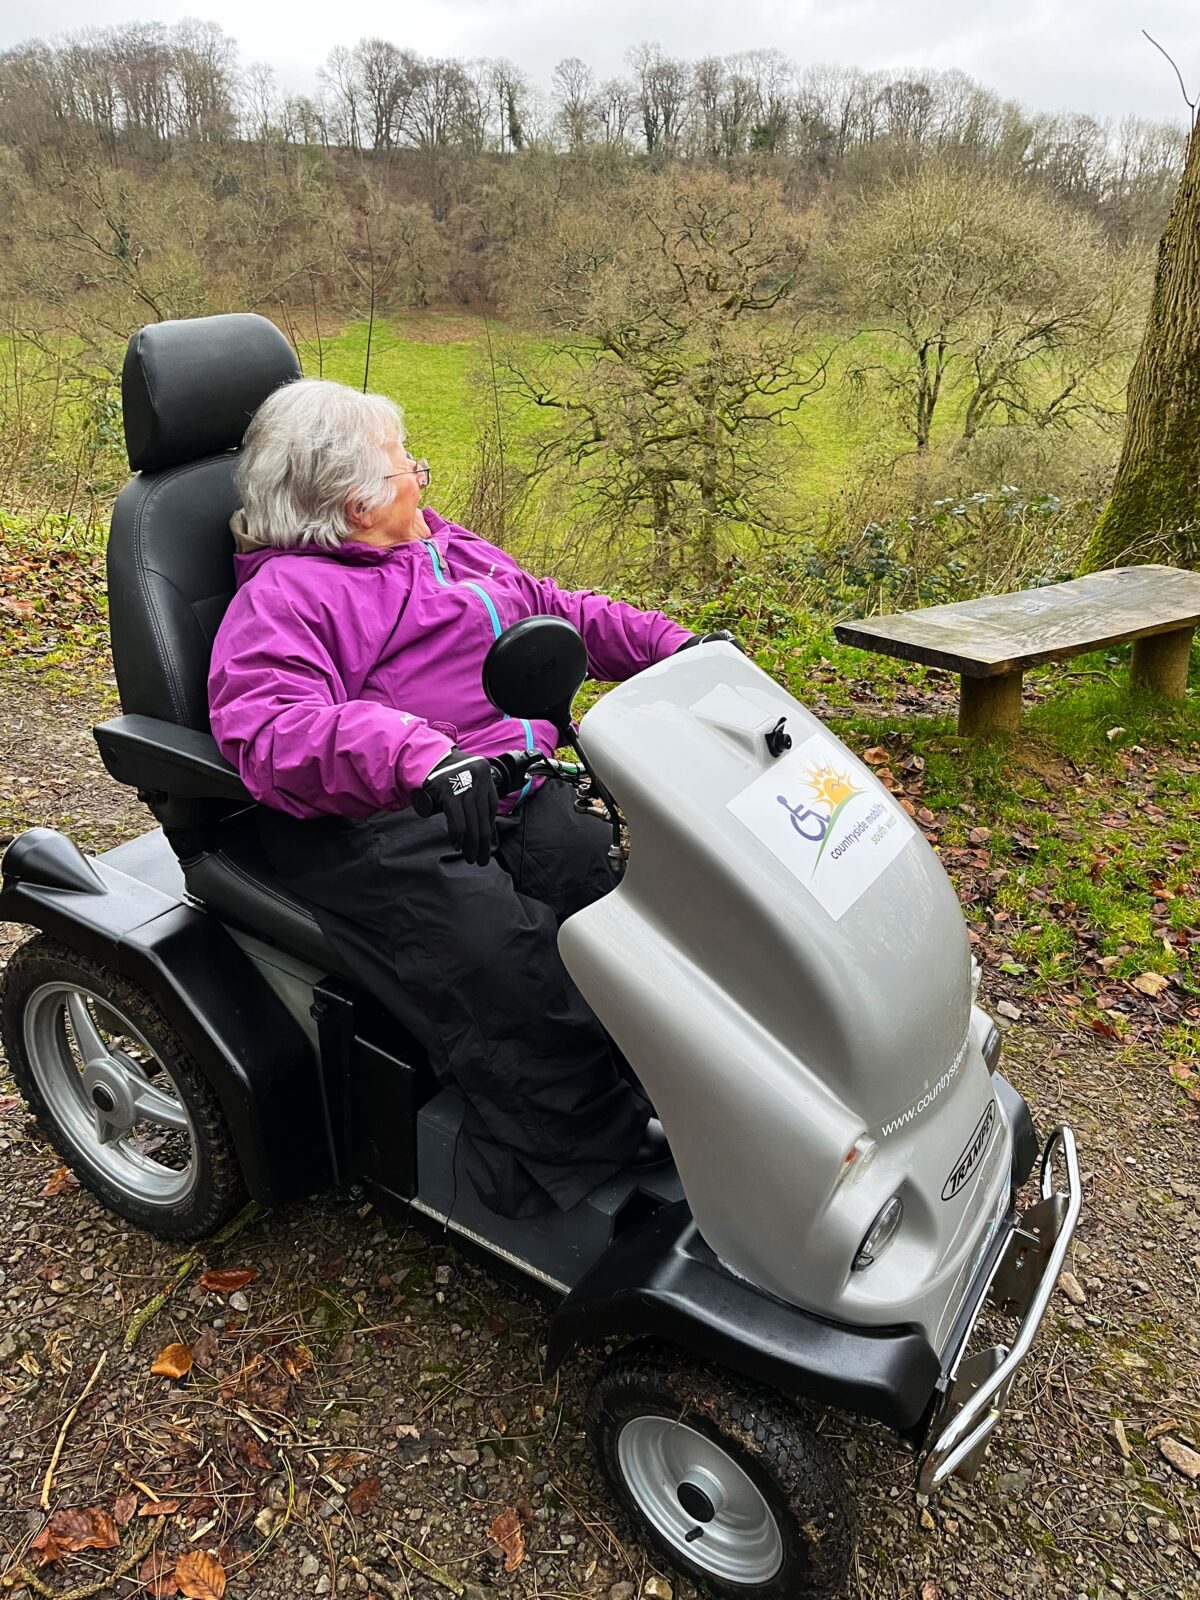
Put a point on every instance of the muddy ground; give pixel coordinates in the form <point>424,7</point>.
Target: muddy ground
<point>358,1418</point>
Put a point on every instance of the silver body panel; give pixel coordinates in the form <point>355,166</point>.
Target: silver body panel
<point>772,1032</point>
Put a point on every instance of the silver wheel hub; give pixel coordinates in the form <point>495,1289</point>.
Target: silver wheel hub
<point>110,1096</point>
<point>699,1499</point>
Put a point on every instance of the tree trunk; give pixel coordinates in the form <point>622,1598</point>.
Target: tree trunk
<point>929,386</point>
<point>1155,506</point>
<point>706,538</point>
<point>660,534</point>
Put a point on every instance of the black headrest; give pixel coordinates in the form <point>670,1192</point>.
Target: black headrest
<point>188,389</point>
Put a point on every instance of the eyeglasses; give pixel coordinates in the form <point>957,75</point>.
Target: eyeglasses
<point>420,468</point>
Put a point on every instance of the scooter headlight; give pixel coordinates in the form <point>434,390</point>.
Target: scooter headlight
<point>990,1047</point>
<point>879,1235</point>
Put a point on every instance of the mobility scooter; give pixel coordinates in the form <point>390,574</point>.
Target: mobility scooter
<point>783,962</point>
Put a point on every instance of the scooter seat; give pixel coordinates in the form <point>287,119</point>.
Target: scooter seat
<point>235,883</point>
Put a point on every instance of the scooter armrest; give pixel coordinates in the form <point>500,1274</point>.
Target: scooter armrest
<point>165,758</point>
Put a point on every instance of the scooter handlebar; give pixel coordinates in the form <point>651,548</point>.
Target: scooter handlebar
<point>510,769</point>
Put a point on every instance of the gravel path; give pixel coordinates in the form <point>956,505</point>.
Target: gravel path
<point>362,1411</point>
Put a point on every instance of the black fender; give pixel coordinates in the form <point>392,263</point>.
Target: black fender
<point>252,1050</point>
<point>661,1281</point>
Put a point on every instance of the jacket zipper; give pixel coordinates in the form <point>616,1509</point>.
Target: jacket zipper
<point>441,577</point>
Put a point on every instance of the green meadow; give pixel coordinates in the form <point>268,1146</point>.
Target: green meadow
<point>436,366</point>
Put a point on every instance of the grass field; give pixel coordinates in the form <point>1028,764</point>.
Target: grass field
<point>436,366</point>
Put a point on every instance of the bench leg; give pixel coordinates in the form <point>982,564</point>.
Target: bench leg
<point>1160,662</point>
<point>989,705</point>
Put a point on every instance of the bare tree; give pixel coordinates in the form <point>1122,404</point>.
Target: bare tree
<point>203,63</point>
<point>615,110</point>
<point>386,76</point>
<point>663,86</point>
<point>339,76</point>
<point>575,85</point>
<point>511,89</point>
<point>674,362</point>
<point>972,280</point>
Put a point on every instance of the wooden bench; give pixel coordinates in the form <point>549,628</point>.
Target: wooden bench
<point>991,641</point>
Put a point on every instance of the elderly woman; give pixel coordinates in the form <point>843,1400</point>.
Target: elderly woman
<point>346,676</point>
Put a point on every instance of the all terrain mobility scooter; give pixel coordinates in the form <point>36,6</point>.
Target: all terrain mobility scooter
<point>783,963</point>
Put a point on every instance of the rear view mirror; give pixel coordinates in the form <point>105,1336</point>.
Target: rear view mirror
<point>535,669</point>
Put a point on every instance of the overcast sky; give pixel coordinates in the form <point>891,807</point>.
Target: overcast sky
<point>1079,55</point>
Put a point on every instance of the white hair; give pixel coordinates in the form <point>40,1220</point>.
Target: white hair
<point>310,447</point>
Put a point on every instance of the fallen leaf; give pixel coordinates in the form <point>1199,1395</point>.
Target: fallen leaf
<point>1150,983</point>
<point>1165,1426</point>
<point>48,1550</point>
<point>157,1572</point>
<point>175,1361</point>
<point>505,1531</point>
<point>875,756</point>
<point>245,1444</point>
<point>1181,1458</point>
<point>200,1576</point>
<point>363,1496</point>
<point>225,1282</point>
<point>159,1508</point>
<point>206,1348</point>
<point>124,1507</point>
<point>59,1181</point>
<point>90,1529</point>
<point>297,1360</point>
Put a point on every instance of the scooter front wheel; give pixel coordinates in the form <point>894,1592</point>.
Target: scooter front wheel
<point>726,1480</point>
<point>116,1092</point>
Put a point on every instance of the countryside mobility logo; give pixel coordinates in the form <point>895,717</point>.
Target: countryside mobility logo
<point>832,792</point>
<point>828,824</point>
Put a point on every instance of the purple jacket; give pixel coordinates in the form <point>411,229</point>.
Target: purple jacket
<point>340,678</point>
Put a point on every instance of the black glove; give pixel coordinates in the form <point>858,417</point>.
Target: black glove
<point>463,789</point>
<point>723,634</point>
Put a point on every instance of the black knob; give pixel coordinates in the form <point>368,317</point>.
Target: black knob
<point>778,740</point>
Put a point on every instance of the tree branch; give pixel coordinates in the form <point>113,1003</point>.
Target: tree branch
<point>1190,104</point>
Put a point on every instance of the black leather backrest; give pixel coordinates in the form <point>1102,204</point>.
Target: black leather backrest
<point>188,391</point>
<point>170,578</point>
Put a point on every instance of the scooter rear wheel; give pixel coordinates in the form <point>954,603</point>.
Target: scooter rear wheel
<point>116,1093</point>
<point>724,1478</point>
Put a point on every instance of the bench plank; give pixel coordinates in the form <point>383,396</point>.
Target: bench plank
<point>1002,634</point>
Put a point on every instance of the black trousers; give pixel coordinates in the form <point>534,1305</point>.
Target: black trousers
<point>466,957</point>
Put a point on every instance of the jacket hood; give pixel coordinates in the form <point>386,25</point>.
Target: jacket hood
<point>251,553</point>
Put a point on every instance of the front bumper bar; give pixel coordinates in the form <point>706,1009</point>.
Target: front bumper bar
<point>1021,1283</point>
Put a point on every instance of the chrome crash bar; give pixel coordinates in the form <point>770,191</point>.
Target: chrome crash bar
<point>1022,1282</point>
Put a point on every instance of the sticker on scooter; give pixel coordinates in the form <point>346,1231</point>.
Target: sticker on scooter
<point>969,1159</point>
<point>830,824</point>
